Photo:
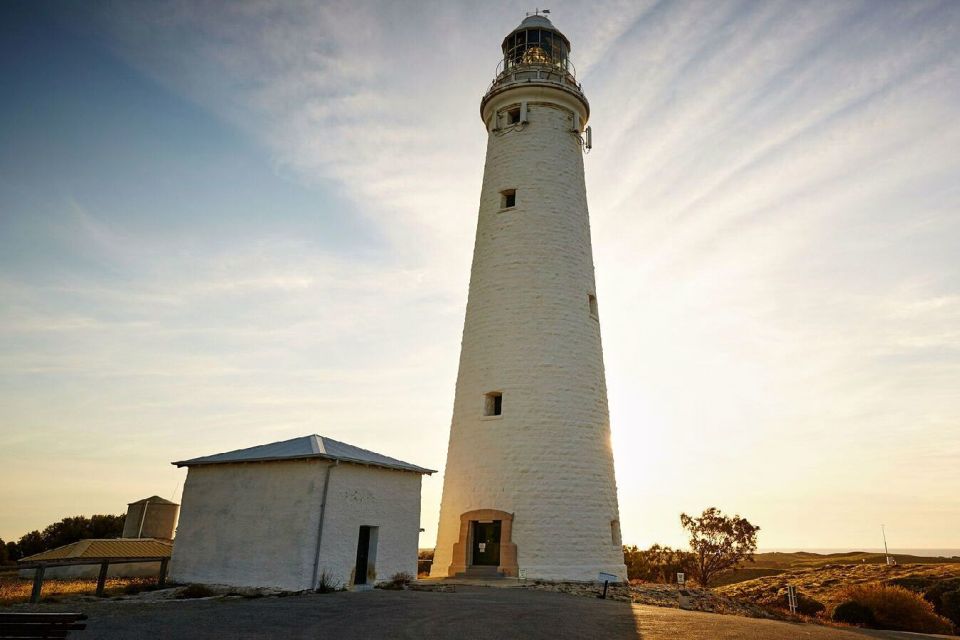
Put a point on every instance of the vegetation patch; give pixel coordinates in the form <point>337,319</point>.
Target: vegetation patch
<point>894,607</point>
<point>397,582</point>
<point>14,589</point>
<point>193,591</point>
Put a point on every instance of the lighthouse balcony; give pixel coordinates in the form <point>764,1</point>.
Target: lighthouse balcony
<point>509,74</point>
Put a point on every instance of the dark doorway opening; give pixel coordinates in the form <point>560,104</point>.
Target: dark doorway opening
<point>486,543</point>
<point>363,556</point>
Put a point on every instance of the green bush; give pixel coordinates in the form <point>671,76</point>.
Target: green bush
<point>852,612</point>
<point>950,606</point>
<point>807,606</point>
<point>897,609</point>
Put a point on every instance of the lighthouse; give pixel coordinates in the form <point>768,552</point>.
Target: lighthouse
<point>529,487</point>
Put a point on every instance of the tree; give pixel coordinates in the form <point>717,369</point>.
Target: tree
<point>718,542</point>
<point>66,531</point>
<point>13,551</point>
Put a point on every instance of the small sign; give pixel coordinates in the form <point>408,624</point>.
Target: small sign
<point>483,547</point>
<point>607,577</point>
<point>522,574</point>
<point>680,578</point>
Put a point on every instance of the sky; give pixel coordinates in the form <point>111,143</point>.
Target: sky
<point>229,223</point>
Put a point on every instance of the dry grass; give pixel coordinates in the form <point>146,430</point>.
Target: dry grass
<point>832,584</point>
<point>14,590</point>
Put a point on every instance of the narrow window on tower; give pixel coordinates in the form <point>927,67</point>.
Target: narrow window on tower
<point>592,301</point>
<point>513,115</point>
<point>493,404</point>
<point>508,198</point>
<point>615,533</point>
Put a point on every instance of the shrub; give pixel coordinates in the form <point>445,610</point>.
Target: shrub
<point>195,591</point>
<point>950,606</point>
<point>896,608</point>
<point>852,612</point>
<point>326,583</point>
<point>807,606</point>
<point>398,581</point>
<point>424,561</point>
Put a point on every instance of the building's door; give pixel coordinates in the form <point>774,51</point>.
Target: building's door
<point>363,556</point>
<point>486,543</point>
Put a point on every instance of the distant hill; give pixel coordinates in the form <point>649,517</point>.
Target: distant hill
<point>775,563</point>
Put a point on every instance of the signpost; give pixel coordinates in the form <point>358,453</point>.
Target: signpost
<point>681,579</point>
<point>606,579</point>
<point>792,598</point>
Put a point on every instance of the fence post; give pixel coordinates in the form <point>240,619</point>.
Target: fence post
<point>37,584</point>
<point>162,578</point>
<point>102,578</point>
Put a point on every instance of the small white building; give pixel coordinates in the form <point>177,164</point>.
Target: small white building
<point>292,514</point>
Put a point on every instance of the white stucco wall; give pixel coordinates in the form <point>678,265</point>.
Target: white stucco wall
<point>371,496</point>
<point>256,524</point>
<point>529,334</point>
<point>251,524</point>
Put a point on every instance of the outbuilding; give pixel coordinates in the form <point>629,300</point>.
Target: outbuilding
<point>296,515</point>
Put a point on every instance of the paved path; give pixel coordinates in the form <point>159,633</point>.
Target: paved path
<point>471,612</point>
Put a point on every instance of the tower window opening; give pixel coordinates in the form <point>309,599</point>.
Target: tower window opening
<point>508,198</point>
<point>493,404</point>
<point>592,301</point>
<point>615,533</point>
<point>513,116</point>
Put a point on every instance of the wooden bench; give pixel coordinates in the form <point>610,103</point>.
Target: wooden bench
<point>40,625</point>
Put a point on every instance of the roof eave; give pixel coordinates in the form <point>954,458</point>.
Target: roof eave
<point>312,456</point>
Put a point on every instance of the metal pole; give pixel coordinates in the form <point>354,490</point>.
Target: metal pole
<point>323,512</point>
<point>143,516</point>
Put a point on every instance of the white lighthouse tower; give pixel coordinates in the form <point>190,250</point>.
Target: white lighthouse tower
<point>529,484</point>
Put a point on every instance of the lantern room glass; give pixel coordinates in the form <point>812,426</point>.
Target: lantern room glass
<point>535,47</point>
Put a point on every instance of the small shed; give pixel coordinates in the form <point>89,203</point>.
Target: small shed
<point>294,514</point>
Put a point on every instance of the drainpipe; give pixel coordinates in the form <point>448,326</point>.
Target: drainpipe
<point>143,516</point>
<point>323,513</point>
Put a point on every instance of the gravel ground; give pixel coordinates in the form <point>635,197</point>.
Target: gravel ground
<point>467,612</point>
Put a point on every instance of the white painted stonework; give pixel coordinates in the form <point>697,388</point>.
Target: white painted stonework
<point>529,334</point>
<point>257,524</point>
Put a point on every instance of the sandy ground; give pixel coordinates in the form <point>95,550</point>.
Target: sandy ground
<point>469,612</point>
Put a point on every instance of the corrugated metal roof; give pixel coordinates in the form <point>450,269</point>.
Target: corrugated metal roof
<point>313,446</point>
<point>152,500</point>
<point>112,548</point>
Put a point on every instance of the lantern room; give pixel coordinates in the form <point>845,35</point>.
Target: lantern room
<point>536,42</point>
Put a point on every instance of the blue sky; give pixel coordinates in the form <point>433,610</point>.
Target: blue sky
<point>223,224</point>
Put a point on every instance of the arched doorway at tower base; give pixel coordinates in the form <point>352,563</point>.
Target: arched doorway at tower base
<point>474,550</point>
